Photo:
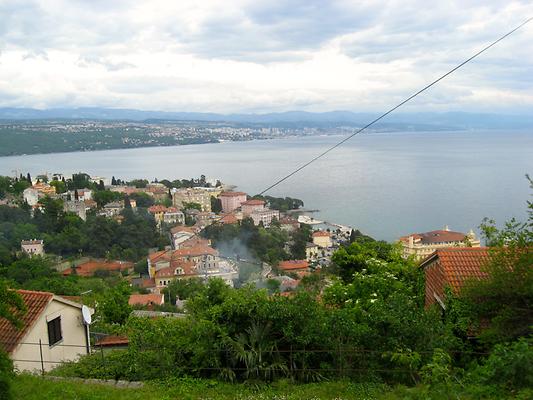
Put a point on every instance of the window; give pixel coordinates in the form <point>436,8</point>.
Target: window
<point>54,331</point>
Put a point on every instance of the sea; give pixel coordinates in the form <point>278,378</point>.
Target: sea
<point>386,184</point>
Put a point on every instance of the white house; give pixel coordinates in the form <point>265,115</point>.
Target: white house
<point>52,326</point>
<point>34,247</point>
<point>31,196</point>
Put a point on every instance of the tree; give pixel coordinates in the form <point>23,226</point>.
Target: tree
<point>192,205</point>
<point>11,305</point>
<point>114,306</point>
<point>216,205</point>
<point>505,296</point>
<point>28,178</point>
<point>113,181</point>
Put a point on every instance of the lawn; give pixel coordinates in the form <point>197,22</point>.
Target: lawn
<point>30,387</point>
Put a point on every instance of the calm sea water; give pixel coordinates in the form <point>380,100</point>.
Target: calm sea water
<point>385,184</point>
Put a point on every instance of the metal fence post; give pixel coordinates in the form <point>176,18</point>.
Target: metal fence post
<point>41,353</point>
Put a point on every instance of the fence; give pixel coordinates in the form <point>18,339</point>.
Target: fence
<point>341,361</point>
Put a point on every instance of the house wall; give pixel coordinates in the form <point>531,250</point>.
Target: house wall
<point>322,241</point>
<point>435,279</point>
<point>68,349</point>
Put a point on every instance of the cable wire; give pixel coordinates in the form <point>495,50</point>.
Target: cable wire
<point>395,107</point>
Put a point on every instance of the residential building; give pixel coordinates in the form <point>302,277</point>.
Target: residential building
<point>231,200</point>
<point>300,267</point>
<point>178,269</point>
<point>311,251</point>
<point>158,211</point>
<point>180,234</point>
<point>44,189</point>
<point>421,245</point>
<point>264,216</point>
<point>173,216</point>
<point>112,209</point>
<point>289,224</point>
<point>229,219</point>
<point>52,331</point>
<point>250,206</point>
<point>31,196</point>
<point>77,207</point>
<point>33,247</point>
<point>322,239</point>
<point>191,195</point>
<point>450,267</point>
<point>152,299</point>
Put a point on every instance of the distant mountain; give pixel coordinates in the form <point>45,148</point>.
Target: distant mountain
<point>448,120</point>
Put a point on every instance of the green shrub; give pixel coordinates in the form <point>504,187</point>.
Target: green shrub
<point>509,366</point>
<point>6,374</point>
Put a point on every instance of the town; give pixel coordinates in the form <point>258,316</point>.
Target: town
<point>103,264</point>
<point>24,137</point>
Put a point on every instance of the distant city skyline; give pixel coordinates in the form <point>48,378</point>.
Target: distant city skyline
<point>264,56</point>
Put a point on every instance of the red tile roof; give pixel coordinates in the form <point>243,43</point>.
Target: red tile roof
<point>229,219</point>
<point>181,228</point>
<point>146,299</point>
<point>293,265</point>
<point>321,234</point>
<point>452,267</point>
<point>90,267</point>
<point>438,236</point>
<point>188,268</point>
<point>35,302</point>
<point>113,341</point>
<point>158,208</point>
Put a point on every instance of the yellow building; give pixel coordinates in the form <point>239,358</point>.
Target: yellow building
<point>421,245</point>
<point>322,239</point>
<point>192,195</point>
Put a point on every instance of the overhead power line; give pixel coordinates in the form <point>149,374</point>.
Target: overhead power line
<point>394,108</point>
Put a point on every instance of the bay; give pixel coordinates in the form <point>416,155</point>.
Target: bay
<point>385,184</point>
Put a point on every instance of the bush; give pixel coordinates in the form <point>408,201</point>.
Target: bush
<point>509,366</point>
<point>6,374</point>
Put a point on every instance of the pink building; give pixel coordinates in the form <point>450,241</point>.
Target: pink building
<point>248,207</point>
<point>231,200</point>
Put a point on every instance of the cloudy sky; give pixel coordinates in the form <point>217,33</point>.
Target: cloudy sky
<point>262,56</point>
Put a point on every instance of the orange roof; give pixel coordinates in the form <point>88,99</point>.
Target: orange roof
<point>253,202</point>
<point>182,228</point>
<point>158,208</point>
<point>438,236</point>
<point>172,210</point>
<point>194,241</point>
<point>159,255</point>
<point>90,267</point>
<point>232,194</point>
<point>186,266</point>
<point>459,264</point>
<point>321,234</point>
<point>112,340</point>
<point>229,219</point>
<point>292,265</point>
<point>35,302</point>
<point>146,299</point>
<point>197,250</point>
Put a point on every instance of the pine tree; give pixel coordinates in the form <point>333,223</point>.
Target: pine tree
<point>113,181</point>
<point>76,195</point>
<point>101,185</point>
<point>28,177</point>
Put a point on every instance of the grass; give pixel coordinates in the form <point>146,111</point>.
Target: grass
<point>30,387</point>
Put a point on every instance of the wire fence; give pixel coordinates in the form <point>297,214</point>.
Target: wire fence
<point>343,360</point>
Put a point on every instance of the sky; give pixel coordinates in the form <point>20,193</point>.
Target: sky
<point>236,56</point>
